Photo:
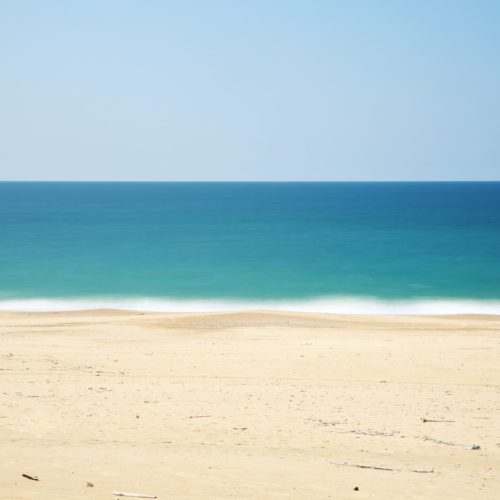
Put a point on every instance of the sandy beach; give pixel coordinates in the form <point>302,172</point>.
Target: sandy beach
<point>249,405</point>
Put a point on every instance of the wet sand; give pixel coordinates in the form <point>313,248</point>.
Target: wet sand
<point>249,405</point>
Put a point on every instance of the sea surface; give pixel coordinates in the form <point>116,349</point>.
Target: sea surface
<point>339,247</point>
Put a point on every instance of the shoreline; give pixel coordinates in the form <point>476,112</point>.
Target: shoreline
<point>249,405</point>
<point>100,311</point>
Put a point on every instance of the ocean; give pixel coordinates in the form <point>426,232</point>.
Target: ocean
<point>329,247</point>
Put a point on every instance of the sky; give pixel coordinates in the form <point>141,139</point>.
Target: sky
<point>271,90</point>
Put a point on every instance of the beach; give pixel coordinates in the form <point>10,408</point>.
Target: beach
<point>249,405</point>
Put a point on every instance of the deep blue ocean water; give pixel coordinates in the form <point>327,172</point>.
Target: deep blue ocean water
<point>162,245</point>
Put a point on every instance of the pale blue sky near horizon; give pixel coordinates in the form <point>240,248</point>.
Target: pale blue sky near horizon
<point>261,90</point>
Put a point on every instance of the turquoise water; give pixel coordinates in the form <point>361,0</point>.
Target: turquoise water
<point>213,245</point>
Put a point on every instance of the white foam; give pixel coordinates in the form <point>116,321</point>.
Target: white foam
<point>341,305</point>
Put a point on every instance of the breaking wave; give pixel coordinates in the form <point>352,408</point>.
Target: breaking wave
<point>339,305</point>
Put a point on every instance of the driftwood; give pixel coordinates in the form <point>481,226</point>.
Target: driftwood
<point>33,478</point>
<point>376,467</point>
<point>134,495</point>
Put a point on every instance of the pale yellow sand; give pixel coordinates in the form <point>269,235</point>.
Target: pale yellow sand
<point>252,405</point>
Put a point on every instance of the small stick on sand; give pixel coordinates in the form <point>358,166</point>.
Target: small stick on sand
<point>425,420</point>
<point>375,467</point>
<point>361,466</point>
<point>135,495</point>
<point>33,478</point>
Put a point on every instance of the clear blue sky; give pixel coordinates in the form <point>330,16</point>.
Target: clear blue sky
<point>250,90</point>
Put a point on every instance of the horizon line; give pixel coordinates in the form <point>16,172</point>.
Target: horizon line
<point>292,181</point>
